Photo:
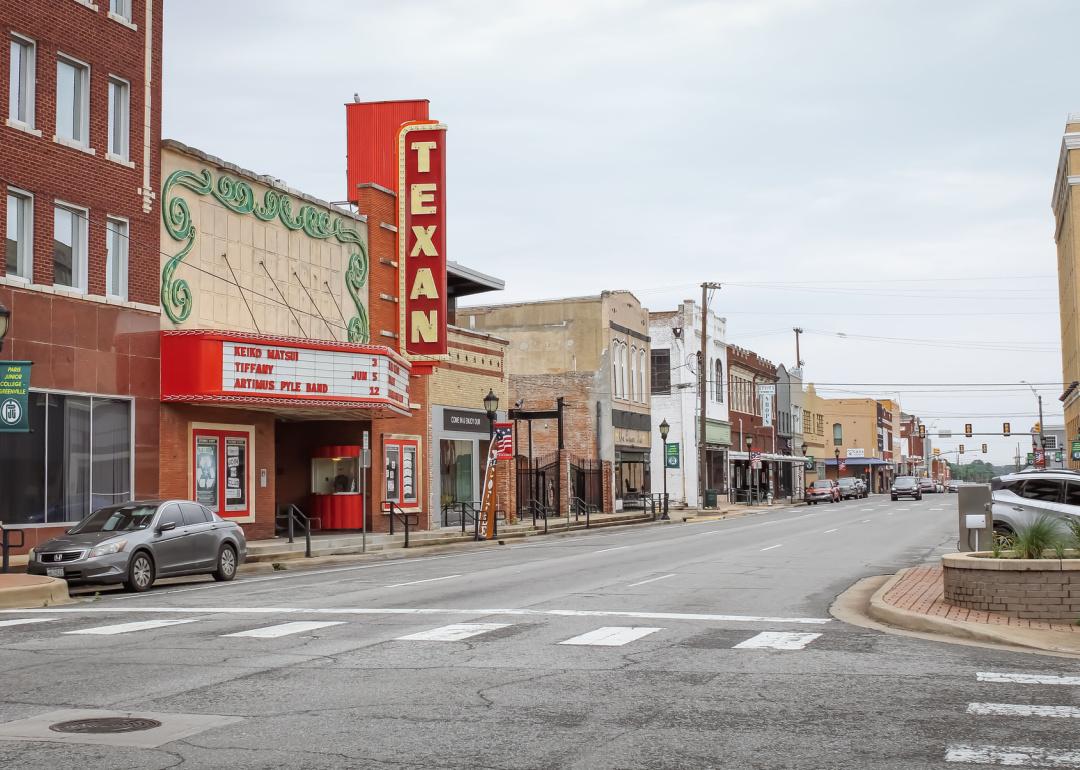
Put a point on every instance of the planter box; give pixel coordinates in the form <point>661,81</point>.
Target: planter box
<point>1034,589</point>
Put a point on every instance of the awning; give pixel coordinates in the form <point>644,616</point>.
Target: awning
<point>768,457</point>
<point>858,461</point>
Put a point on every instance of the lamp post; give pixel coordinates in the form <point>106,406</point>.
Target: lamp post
<point>664,428</point>
<point>1042,436</point>
<point>491,406</point>
<point>836,453</point>
<point>750,469</point>
<point>5,322</point>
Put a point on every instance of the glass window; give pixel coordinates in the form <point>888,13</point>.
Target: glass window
<point>118,118</point>
<point>118,518</point>
<point>661,371</point>
<point>20,234</point>
<point>171,513</point>
<point>393,467</point>
<point>1044,490</point>
<point>1072,494</point>
<point>21,83</point>
<point>837,434</point>
<point>718,375</point>
<point>116,258</point>
<point>72,100</point>
<point>641,376</point>
<point>67,457</point>
<point>22,468</point>
<point>633,374</point>
<point>69,247</point>
<point>408,474</point>
<point>456,472</point>
<point>121,8</point>
<point>236,491</point>
<point>111,452</point>
<point>194,513</point>
<point>1050,442</point>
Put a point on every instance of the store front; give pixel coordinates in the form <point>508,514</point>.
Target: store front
<point>632,480</point>
<point>717,444</point>
<point>460,440</point>
<point>764,483</point>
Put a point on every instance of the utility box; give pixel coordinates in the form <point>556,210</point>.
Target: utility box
<point>710,498</point>
<point>976,524</point>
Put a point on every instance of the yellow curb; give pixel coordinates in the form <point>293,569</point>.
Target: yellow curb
<point>42,592</point>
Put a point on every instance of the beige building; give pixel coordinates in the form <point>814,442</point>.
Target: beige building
<point>861,430</point>
<point>1066,232</point>
<point>813,431</point>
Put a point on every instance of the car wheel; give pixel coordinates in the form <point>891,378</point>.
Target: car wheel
<point>140,572</point>
<point>226,564</point>
<point>895,498</point>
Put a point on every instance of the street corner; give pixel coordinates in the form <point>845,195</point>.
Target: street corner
<point>31,591</point>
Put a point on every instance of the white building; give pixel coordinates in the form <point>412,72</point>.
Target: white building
<point>676,346</point>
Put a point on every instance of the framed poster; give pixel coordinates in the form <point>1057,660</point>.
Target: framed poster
<point>222,473</point>
<point>236,491</point>
<point>206,471</point>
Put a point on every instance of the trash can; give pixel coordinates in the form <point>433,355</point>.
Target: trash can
<point>710,498</point>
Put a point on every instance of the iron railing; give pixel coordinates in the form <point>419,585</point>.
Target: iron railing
<point>6,545</point>
<point>295,517</point>
<point>407,520</point>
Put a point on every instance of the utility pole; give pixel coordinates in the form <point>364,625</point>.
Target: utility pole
<point>1042,436</point>
<point>702,381</point>
<point>798,358</point>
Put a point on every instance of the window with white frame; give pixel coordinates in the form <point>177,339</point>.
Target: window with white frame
<point>69,247</point>
<point>116,257</point>
<point>633,374</point>
<point>119,120</point>
<point>21,84</point>
<point>20,234</point>
<point>641,375</point>
<point>72,100</point>
<point>718,375</point>
<point>121,8</point>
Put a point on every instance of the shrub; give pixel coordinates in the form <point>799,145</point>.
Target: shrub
<point>1074,530</point>
<point>1036,537</point>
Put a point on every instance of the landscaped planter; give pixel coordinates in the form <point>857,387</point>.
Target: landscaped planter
<point>1038,589</point>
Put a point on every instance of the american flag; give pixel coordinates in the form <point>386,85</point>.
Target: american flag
<point>504,440</point>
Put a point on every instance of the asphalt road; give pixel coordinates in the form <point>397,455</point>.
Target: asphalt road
<point>694,645</point>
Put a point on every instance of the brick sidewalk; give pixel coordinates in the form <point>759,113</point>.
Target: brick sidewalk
<point>921,589</point>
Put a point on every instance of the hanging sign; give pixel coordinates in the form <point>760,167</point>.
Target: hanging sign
<point>671,455</point>
<point>14,386</point>
<point>1076,450</point>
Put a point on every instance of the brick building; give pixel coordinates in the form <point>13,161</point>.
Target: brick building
<point>79,161</point>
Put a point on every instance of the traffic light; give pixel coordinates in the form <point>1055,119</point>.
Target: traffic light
<point>967,429</point>
<point>936,451</point>
<point>922,431</point>
<point>961,449</point>
<point>1006,429</point>
<point>1037,428</point>
<point>984,448</point>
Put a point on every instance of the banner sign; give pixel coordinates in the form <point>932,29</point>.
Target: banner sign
<point>1076,450</point>
<point>504,440</point>
<point>421,154</point>
<point>755,460</point>
<point>14,387</point>
<point>809,462</point>
<point>671,455</point>
<point>857,452</point>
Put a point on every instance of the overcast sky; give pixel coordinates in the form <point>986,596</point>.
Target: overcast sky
<point>889,161</point>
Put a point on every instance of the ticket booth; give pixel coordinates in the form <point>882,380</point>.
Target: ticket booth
<point>335,487</point>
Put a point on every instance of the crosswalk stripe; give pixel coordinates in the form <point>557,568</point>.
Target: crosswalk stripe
<point>285,629</point>
<point>124,628</point>
<point>453,633</point>
<point>1012,756</point>
<point>993,676</point>
<point>23,621</point>
<point>1022,710</point>
<point>611,636</point>
<point>777,640</point>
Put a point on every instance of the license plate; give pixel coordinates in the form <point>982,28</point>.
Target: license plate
<point>54,571</point>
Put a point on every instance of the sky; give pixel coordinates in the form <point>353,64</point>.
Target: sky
<point>876,169</point>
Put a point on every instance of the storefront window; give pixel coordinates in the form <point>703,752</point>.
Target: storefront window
<point>456,465</point>
<point>221,468</point>
<point>75,459</point>
<point>401,468</point>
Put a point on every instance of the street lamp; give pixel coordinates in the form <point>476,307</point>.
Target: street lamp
<point>664,428</point>
<point>5,322</point>
<point>491,406</point>
<point>836,453</point>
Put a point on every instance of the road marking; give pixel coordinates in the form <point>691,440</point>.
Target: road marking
<point>992,676</point>
<point>830,530</point>
<point>937,509</point>
<point>418,582</point>
<point>651,580</point>
<point>23,621</point>
<point>423,611</point>
<point>453,633</point>
<point>285,629</point>
<point>1022,710</point>
<point>1012,756</point>
<point>903,509</point>
<point>889,513</point>
<point>777,640</point>
<point>864,510</point>
<point>772,546</point>
<point>124,628</point>
<point>611,636</point>
<point>616,548</point>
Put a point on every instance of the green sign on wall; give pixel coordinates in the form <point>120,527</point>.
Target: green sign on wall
<point>14,385</point>
<point>1076,450</point>
<point>809,462</point>
<point>671,455</point>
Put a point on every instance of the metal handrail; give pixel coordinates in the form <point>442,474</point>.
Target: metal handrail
<point>407,519</point>
<point>6,545</point>
<point>295,516</point>
<point>537,509</point>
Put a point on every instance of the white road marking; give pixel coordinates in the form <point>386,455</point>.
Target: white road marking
<point>777,640</point>
<point>937,509</point>
<point>864,510</point>
<point>422,611</point>
<point>611,636</point>
<point>651,580</point>
<point>993,676</point>
<point>772,546</point>
<point>865,521</point>
<point>903,509</point>
<point>1022,710</point>
<point>124,628</point>
<point>285,629</point>
<point>830,530</point>
<point>616,548</point>
<point>23,621</point>
<point>453,633</point>
<point>418,582</point>
<point>1012,756</point>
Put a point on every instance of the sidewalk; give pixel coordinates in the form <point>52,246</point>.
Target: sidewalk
<point>22,591</point>
<point>913,599</point>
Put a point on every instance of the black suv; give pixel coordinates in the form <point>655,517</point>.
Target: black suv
<point>906,486</point>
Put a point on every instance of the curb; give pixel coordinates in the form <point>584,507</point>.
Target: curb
<point>1045,641</point>
<point>46,593</point>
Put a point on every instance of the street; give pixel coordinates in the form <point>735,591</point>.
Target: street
<point>704,644</point>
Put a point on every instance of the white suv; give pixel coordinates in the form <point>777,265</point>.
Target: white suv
<point>1019,498</point>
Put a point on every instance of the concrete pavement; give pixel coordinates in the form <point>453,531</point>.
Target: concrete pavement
<point>697,645</point>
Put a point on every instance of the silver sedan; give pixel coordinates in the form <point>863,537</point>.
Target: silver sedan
<point>135,543</point>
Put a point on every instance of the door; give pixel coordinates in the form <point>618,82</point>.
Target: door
<point>172,548</point>
<point>201,534</point>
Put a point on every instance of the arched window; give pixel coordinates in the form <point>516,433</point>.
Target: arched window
<point>712,384</point>
<point>718,374</point>
<point>837,434</point>
<point>622,370</point>
<point>641,374</point>
<point>633,374</point>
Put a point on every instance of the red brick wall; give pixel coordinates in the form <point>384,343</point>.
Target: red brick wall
<point>540,391</point>
<point>54,172</point>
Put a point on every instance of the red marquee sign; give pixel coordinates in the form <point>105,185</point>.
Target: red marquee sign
<point>421,154</point>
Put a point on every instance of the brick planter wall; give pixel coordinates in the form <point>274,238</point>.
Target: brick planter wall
<point>1042,589</point>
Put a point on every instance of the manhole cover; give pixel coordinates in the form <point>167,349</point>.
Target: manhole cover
<point>105,725</point>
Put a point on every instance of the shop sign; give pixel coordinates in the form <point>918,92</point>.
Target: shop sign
<point>671,455</point>
<point>809,461</point>
<point>766,409</point>
<point>857,452</point>
<point>1076,450</point>
<point>14,386</point>
<point>464,420</point>
<point>421,155</point>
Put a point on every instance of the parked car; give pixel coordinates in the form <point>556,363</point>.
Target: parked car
<point>954,485</point>
<point>927,486</point>
<point>864,491</point>
<point>135,543</point>
<point>822,490</point>
<point>906,486</point>
<point>1019,498</point>
<point>939,487</point>
<point>850,488</point>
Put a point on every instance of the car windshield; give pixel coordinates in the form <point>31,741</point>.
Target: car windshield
<point>117,518</point>
<point>902,482</point>
<point>822,484</point>
<point>847,482</point>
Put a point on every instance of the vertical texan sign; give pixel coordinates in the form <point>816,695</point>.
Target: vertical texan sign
<point>421,155</point>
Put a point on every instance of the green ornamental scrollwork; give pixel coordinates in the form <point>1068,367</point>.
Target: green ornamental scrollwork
<point>239,197</point>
